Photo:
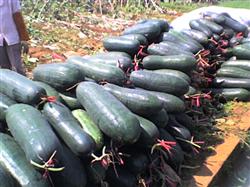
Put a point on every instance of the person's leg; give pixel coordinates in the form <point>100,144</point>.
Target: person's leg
<point>4,60</point>
<point>14,54</point>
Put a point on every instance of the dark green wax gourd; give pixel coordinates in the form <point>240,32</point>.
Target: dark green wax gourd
<point>96,185</point>
<point>115,58</point>
<point>176,73</point>
<point>228,33</point>
<point>117,43</point>
<point>35,137</point>
<point>245,40</point>
<point>234,41</point>
<point>137,163</point>
<point>180,132</point>
<point>235,25</point>
<point>68,128</point>
<point>2,126</point>
<point>20,88</point>
<point>196,35</point>
<point>185,45</point>
<point>216,37</point>
<point>149,30</point>
<point>89,126</point>
<point>183,63</point>
<point>112,54</point>
<point>96,173</point>
<point>138,101</point>
<point>185,120</point>
<point>6,179</point>
<point>165,50</point>
<point>217,18</point>
<point>123,62</point>
<point>225,14</point>
<point>231,94</point>
<point>90,80</point>
<point>176,129</point>
<point>243,64</point>
<point>160,119</point>
<point>233,72</point>
<point>241,51</point>
<point>50,91</point>
<point>185,41</point>
<point>69,99</point>
<point>141,38</point>
<point>197,25</point>
<point>73,174</point>
<point>170,102</point>
<point>5,103</point>
<point>176,156</point>
<point>149,132</point>
<point>14,162</point>
<point>113,118</point>
<point>214,27</point>
<point>159,82</point>
<point>176,47</point>
<point>98,71</point>
<point>159,22</point>
<point>246,45</point>
<point>125,179</point>
<point>58,75</point>
<point>191,91</point>
<point>173,178</point>
<point>228,82</point>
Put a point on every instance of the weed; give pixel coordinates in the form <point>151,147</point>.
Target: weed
<point>29,62</point>
<point>235,3</point>
<point>229,107</point>
<point>181,7</point>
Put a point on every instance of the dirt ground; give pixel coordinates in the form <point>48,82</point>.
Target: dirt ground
<point>238,121</point>
<point>233,131</point>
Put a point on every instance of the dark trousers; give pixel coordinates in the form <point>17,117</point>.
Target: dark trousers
<point>10,57</point>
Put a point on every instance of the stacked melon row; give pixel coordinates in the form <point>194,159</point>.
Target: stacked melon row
<point>114,120</point>
<point>113,117</point>
<point>118,117</point>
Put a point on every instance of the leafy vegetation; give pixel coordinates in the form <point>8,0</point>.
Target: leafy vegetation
<point>235,3</point>
<point>77,26</point>
<point>50,10</point>
<point>181,7</point>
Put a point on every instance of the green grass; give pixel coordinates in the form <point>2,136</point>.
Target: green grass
<point>247,140</point>
<point>181,7</point>
<point>235,3</point>
<point>229,107</point>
